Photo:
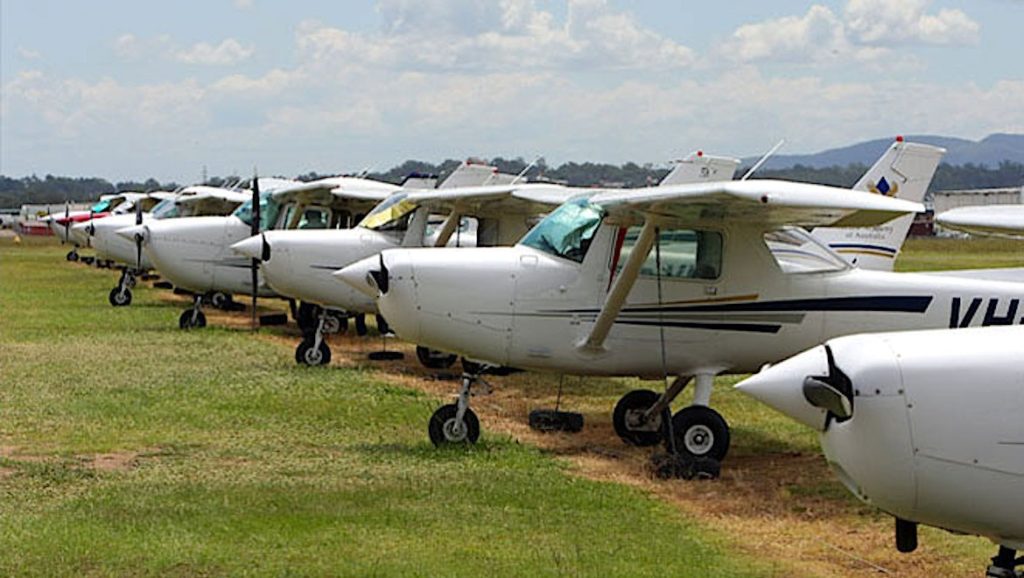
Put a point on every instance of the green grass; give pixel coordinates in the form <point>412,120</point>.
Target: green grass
<point>235,462</point>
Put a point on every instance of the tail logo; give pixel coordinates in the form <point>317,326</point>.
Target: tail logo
<point>884,188</point>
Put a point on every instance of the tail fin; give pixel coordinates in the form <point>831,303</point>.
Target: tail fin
<point>474,174</point>
<point>420,181</point>
<point>904,171</point>
<point>699,168</point>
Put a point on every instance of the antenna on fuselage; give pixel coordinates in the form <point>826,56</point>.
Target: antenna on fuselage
<point>523,172</point>
<point>763,159</point>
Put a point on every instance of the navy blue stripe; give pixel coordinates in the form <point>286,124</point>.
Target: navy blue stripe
<point>747,327</point>
<point>862,246</point>
<point>882,304</point>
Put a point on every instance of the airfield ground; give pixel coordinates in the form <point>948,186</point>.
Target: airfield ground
<point>129,447</point>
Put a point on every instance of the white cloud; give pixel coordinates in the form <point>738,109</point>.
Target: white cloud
<point>243,4</point>
<point>28,53</point>
<point>485,35</point>
<point>865,31</point>
<point>229,51</point>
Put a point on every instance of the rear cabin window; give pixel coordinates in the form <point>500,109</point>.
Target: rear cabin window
<point>797,251</point>
<point>685,254</point>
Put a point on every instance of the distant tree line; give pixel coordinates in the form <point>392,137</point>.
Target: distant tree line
<point>57,190</point>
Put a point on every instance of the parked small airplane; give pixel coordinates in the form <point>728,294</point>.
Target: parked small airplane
<point>196,200</point>
<point>659,282</point>
<point>194,253</point>
<point>901,430</point>
<point>300,263</point>
<point>61,223</point>
<point>925,425</point>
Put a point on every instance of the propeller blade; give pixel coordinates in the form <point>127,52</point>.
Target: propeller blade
<point>255,229</point>
<point>67,222</point>
<point>138,237</point>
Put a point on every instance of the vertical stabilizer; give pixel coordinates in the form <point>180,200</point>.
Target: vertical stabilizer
<point>700,168</point>
<point>904,171</point>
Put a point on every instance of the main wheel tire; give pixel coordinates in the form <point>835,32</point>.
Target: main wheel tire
<point>361,330</point>
<point>185,321</point>
<point>72,256</point>
<point>119,298</point>
<point>443,429</point>
<point>434,359</point>
<point>701,432</point>
<point>219,299</point>
<point>306,354</point>
<point>638,400</point>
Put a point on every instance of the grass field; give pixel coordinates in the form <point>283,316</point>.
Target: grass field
<point>128,447</point>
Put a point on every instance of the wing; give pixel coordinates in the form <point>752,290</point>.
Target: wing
<point>996,220</point>
<point>331,190</point>
<point>765,204</point>
<point>490,200</point>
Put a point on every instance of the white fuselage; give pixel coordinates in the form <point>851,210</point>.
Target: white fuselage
<point>524,308</point>
<point>935,435</point>
<point>102,235</point>
<point>194,253</point>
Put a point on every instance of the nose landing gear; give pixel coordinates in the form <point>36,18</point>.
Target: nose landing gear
<point>456,423</point>
<point>121,296</point>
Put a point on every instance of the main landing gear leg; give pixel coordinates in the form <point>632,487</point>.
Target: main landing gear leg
<point>193,318</point>
<point>456,423</point>
<point>1004,564</point>
<point>121,296</point>
<point>313,350</point>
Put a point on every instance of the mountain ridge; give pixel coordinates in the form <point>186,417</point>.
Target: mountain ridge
<point>989,151</point>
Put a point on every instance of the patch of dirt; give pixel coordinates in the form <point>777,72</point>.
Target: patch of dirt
<point>761,503</point>
<point>114,462</point>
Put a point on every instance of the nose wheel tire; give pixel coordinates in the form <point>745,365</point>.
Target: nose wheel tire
<point>434,359</point>
<point>701,432</point>
<point>119,297</point>
<point>626,418</point>
<point>72,256</point>
<point>444,429</point>
<point>306,354</point>
<point>187,321</point>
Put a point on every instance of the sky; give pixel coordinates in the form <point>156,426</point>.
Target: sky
<point>131,89</point>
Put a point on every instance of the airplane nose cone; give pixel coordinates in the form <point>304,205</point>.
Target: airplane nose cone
<point>781,386</point>
<point>255,247</point>
<point>134,232</point>
<point>365,275</point>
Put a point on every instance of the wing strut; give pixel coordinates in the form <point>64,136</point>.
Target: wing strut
<point>621,287</point>
<point>449,226</point>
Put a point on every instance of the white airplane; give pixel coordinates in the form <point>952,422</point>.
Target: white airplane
<point>901,430</point>
<point>196,200</point>
<point>925,425</point>
<point>61,223</point>
<point>300,264</point>
<point>194,253</point>
<point>674,281</point>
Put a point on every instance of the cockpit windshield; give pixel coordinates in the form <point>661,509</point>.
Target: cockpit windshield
<point>100,207</point>
<point>567,231</point>
<point>165,209</point>
<point>392,214</point>
<point>268,211</point>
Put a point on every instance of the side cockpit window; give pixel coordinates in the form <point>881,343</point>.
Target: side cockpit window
<point>684,254</point>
